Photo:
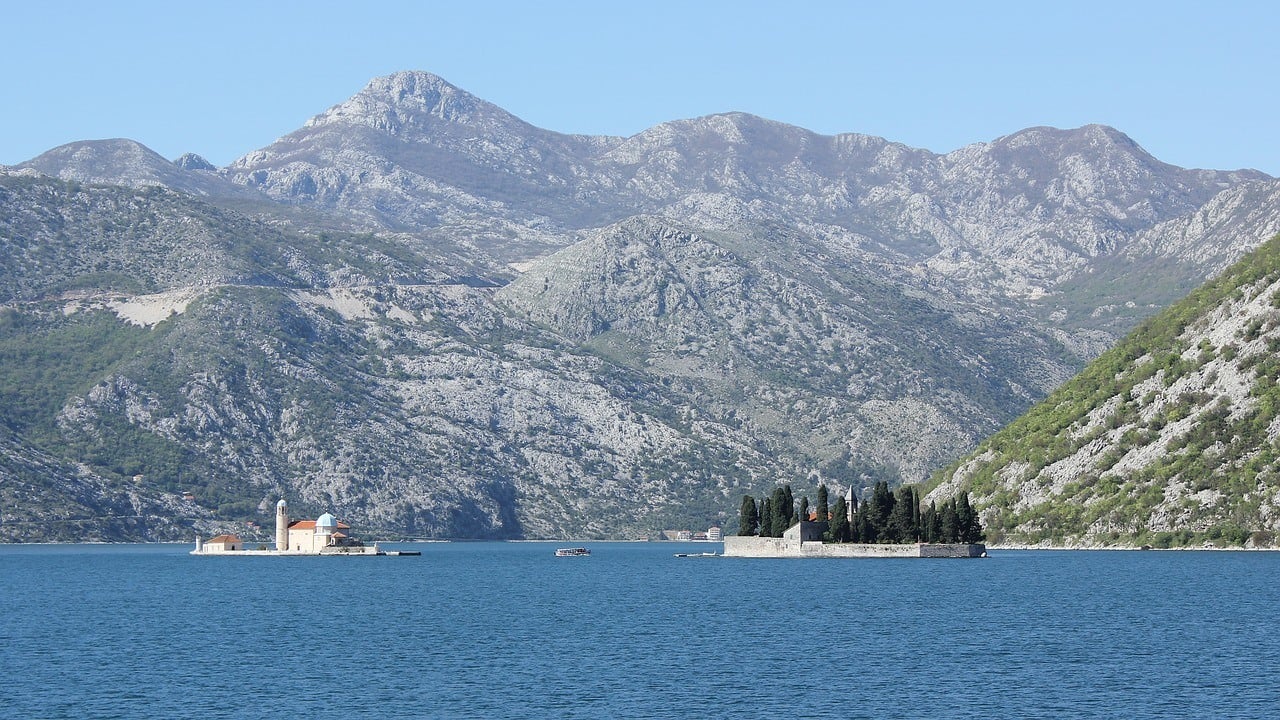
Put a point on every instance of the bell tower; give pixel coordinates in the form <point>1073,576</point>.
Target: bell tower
<point>282,526</point>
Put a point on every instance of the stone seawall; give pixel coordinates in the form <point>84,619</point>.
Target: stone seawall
<point>792,547</point>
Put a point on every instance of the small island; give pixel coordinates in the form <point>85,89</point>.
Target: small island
<point>323,536</point>
<point>886,525</point>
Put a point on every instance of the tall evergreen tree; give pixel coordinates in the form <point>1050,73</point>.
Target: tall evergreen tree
<point>791,506</point>
<point>748,517</point>
<point>823,505</point>
<point>949,528</point>
<point>930,522</point>
<point>804,507</point>
<point>916,519</point>
<point>881,508</point>
<point>969,525</point>
<point>782,510</point>
<point>766,518</point>
<point>865,528</point>
<point>900,526</point>
<point>839,530</point>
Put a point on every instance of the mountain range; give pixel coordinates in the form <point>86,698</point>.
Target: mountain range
<point>434,319</point>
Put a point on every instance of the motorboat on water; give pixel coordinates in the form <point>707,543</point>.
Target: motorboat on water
<point>572,552</point>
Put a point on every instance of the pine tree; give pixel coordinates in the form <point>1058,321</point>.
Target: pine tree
<point>823,509</point>
<point>748,517</point>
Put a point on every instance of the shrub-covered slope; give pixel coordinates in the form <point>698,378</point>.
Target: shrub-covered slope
<point>1168,439</point>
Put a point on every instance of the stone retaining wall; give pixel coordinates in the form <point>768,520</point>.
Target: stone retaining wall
<point>792,547</point>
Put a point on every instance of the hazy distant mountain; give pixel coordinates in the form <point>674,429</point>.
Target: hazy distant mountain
<point>435,318</point>
<point>128,163</point>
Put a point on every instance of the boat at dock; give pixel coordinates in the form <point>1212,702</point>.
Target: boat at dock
<point>572,552</point>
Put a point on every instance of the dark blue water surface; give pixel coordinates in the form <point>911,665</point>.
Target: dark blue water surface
<point>506,630</point>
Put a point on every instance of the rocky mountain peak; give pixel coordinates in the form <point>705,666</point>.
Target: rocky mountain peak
<point>411,100</point>
<point>103,161</point>
<point>192,161</point>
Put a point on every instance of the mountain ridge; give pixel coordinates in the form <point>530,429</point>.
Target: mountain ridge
<point>438,319</point>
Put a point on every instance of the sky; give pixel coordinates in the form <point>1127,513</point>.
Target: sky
<point>1195,84</point>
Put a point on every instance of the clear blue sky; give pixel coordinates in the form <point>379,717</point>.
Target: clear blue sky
<point>1196,84</point>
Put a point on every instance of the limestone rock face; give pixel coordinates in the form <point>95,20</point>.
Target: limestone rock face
<point>425,314</point>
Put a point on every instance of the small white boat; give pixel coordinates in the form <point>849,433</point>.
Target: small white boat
<point>572,552</point>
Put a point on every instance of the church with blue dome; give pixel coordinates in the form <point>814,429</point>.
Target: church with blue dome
<point>313,537</point>
<point>325,535</point>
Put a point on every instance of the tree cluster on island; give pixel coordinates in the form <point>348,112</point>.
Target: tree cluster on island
<point>885,517</point>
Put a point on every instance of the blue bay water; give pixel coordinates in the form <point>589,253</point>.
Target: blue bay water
<point>506,630</point>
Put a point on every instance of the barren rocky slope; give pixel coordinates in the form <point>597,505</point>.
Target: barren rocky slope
<point>435,319</point>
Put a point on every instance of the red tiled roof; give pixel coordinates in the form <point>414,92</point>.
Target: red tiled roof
<point>224,539</point>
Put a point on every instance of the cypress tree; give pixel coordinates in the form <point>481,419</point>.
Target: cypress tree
<point>881,508</point>
<point>782,510</point>
<point>964,517</point>
<point>748,517</point>
<point>804,508</point>
<point>766,518</point>
<point>823,509</point>
<point>932,527</point>
<point>790,507</point>
<point>866,527</point>
<point>949,529</point>
<point>863,530</point>
<point>840,522</point>
<point>917,524</point>
<point>899,527</point>
<point>970,525</point>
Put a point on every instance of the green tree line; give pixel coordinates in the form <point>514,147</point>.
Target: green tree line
<point>885,517</point>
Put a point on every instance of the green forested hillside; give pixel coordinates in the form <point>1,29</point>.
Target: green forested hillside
<point>1167,439</point>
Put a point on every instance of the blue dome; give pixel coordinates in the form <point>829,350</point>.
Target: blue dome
<point>326,521</point>
<point>282,503</point>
